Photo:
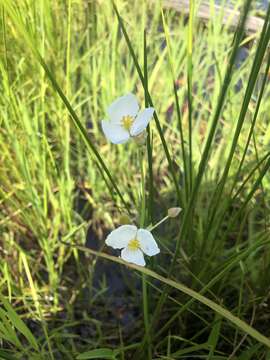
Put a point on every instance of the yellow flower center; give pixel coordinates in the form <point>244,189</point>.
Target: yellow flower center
<point>127,122</point>
<point>134,244</point>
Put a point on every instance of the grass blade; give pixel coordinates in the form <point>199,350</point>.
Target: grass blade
<point>75,119</point>
<point>149,99</point>
<point>179,286</point>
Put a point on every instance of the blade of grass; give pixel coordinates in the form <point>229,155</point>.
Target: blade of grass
<point>98,354</point>
<point>143,208</point>
<point>265,78</point>
<point>249,196</point>
<point>178,112</point>
<point>7,329</point>
<point>19,324</point>
<point>216,225</point>
<point>189,87</point>
<point>37,304</point>
<point>179,286</point>
<point>226,82</point>
<point>149,99</point>
<point>248,142</point>
<point>206,152</point>
<point>230,264</point>
<point>252,172</point>
<point>259,56</point>
<point>76,121</point>
<point>214,336</point>
<point>149,141</point>
<point>3,20</point>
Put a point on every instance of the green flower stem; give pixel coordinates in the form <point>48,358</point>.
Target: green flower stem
<point>144,279</point>
<point>149,202</point>
<point>151,228</point>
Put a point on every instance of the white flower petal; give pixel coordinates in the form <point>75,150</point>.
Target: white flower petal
<point>120,237</point>
<point>147,242</point>
<point>114,133</point>
<point>141,121</point>
<point>123,106</point>
<point>133,256</point>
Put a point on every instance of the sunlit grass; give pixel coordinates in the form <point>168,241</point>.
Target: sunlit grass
<point>61,65</point>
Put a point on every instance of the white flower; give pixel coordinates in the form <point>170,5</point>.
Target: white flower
<point>133,242</point>
<point>125,120</point>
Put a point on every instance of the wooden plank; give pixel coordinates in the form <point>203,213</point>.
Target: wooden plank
<point>229,15</point>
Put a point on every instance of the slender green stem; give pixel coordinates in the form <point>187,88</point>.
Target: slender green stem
<point>203,163</point>
<point>67,126</point>
<point>146,317</point>
<point>189,84</point>
<point>214,228</point>
<point>148,140</point>
<point>3,20</point>
<point>37,304</point>
<point>261,48</point>
<point>43,117</point>
<point>256,167</point>
<point>150,101</point>
<point>266,75</point>
<point>151,228</point>
<point>249,196</point>
<point>178,112</point>
<point>144,279</point>
<point>206,152</point>
<point>265,207</point>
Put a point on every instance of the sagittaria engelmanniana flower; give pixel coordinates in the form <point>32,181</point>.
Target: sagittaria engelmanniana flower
<point>134,243</point>
<point>125,119</point>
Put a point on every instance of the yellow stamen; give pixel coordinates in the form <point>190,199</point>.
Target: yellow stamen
<point>134,244</point>
<point>127,122</point>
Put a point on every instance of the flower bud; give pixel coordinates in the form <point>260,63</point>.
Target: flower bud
<point>173,212</point>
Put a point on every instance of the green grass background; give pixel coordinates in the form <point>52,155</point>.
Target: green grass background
<point>62,63</point>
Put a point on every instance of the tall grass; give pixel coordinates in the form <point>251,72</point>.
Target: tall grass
<point>64,187</point>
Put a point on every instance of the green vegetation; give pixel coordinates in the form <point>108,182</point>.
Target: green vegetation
<point>63,187</point>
